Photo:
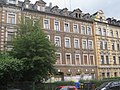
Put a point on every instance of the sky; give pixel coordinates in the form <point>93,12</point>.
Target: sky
<point>111,8</point>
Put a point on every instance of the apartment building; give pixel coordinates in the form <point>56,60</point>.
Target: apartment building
<point>85,48</point>
<point>107,41</point>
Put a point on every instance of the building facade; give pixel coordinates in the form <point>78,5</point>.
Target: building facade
<point>87,45</point>
<point>107,41</point>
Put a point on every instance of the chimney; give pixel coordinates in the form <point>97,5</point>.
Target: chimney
<point>50,5</point>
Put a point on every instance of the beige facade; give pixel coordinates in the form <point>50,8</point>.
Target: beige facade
<point>107,41</point>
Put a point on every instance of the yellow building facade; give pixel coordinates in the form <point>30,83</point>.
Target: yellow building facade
<point>107,45</point>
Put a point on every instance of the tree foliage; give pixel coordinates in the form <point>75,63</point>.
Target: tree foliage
<point>32,46</point>
<point>10,68</point>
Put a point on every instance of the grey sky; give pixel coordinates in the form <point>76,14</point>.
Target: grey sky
<point>111,8</point>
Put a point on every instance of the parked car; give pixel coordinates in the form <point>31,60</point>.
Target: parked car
<point>66,88</point>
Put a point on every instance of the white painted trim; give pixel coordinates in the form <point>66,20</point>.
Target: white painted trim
<point>78,42</point>
<point>66,58</point>
<point>87,59</point>
<point>68,26</point>
<point>69,42</point>
<point>93,59</point>
<point>92,44</point>
<point>79,60</point>
<point>90,29</point>
<point>77,28</point>
<point>48,23</point>
<point>58,25</point>
<point>81,29</point>
<point>82,43</point>
<point>13,14</point>
<point>59,40</point>
<point>60,57</point>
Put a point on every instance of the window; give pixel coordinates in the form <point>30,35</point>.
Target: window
<point>84,44</point>
<point>83,31</point>
<point>58,41</point>
<point>56,25</point>
<point>11,18</point>
<point>75,28</point>
<point>114,60</point>
<point>99,31</point>
<point>117,34</point>
<point>103,75</point>
<point>89,31</point>
<point>85,58</point>
<point>105,45</point>
<point>118,47</point>
<point>90,44</point>
<point>104,32</point>
<point>101,44</point>
<point>67,42</point>
<point>27,5</point>
<point>113,46</point>
<point>108,74</point>
<point>77,59</point>
<point>10,36</point>
<point>66,27</point>
<point>115,74</point>
<point>46,24</point>
<point>107,60</point>
<point>76,43</point>
<point>38,8</point>
<point>68,58</point>
<point>111,33</point>
<point>119,59</point>
<point>91,60</point>
<point>43,8</point>
<point>12,1</point>
<point>102,59</point>
<point>58,57</point>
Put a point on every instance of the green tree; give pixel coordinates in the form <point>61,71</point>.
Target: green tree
<point>10,69</point>
<point>32,46</point>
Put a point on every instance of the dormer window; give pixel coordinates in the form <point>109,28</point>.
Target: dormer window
<point>43,8</point>
<point>38,8</point>
<point>76,15</point>
<point>12,1</point>
<point>26,5</point>
<point>79,15</point>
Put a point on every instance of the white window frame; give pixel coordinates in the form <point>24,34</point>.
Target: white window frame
<point>70,58</point>
<point>78,43</point>
<point>27,6</point>
<point>38,7</point>
<point>93,59</point>
<point>87,58</point>
<point>82,29</point>
<point>79,59</point>
<point>12,14</point>
<point>58,25</point>
<point>68,29</point>
<point>45,25</point>
<point>104,34</point>
<point>83,45</point>
<point>92,44</point>
<point>59,41</point>
<point>69,42</point>
<point>77,30</point>
<point>60,57</point>
<point>88,30</point>
<point>42,8</point>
